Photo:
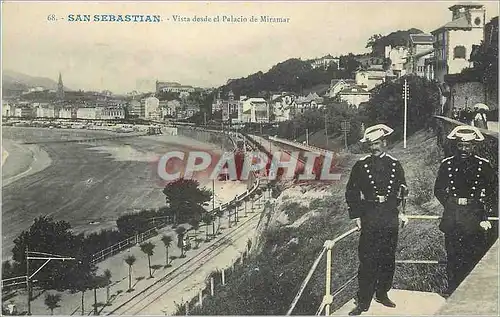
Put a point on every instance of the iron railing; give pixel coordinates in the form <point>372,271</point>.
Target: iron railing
<point>327,248</point>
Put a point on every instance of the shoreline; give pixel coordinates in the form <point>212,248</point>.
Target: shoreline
<point>40,160</point>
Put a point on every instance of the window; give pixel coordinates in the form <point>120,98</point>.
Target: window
<point>459,52</point>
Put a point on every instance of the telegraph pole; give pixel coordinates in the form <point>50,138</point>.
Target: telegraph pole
<point>28,280</point>
<point>326,132</point>
<point>39,256</point>
<point>307,136</point>
<point>405,97</point>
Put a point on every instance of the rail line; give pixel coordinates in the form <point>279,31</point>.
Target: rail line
<point>204,256</point>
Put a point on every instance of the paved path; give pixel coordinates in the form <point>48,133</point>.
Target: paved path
<point>408,303</point>
<point>478,293</point>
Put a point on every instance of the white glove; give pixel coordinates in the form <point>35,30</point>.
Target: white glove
<point>358,223</point>
<point>485,225</point>
<point>404,219</point>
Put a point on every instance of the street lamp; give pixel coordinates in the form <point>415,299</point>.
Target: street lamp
<point>31,255</point>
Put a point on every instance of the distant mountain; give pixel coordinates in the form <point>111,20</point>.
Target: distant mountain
<point>15,80</point>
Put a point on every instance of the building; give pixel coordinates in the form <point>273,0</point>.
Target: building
<point>370,78</point>
<point>112,112</point>
<point>454,40</point>
<point>311,101</point>
<point>151,107</point>
<point>172,87</point>
<point>255,110</point>
<point>46,111</point>
<point>136,108</point>
<point>8,109</point>
<point>283,107</point>
<point>336,86</point>
<point>24,111</point>
<point>60,88</point>
<point>325,62</point>
<point>397,57</point>
<point>191,110</point>
<point>89,113</point>
<point>68,113</point>
<point>354,95</point>
<point>420,60</point>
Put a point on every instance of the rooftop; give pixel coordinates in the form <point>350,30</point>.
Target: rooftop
<point>460,23</point>
<point>465,5</point>
<point>422,38</point>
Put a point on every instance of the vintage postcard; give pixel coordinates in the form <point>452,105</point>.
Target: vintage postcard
<point>249,158</point>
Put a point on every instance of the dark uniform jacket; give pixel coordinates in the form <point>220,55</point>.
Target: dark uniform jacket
<point>464,186</point>
<point>372,190</point>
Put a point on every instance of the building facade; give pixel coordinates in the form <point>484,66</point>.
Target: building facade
<point>455,40</point>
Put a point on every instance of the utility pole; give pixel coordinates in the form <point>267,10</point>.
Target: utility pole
<point>28,280</point>
<point>307,136</point>
<point>213,194</point>
<point>405,97</point>
<point>326,132</point>
<point>39,256</point>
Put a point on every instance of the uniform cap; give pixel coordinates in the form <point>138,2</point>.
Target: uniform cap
<point>376,132</point>
<point>465,133</point>
<point>481,106</point>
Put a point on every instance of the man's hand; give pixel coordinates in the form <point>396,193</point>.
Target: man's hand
<point>485,225</point>
<point>404,220</point>
<point>358,223</point>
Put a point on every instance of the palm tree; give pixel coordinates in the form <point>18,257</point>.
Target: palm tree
<point>207,220</point>
<point>181,231</point>
<point>148,248</point>
<point>52,302</point>
<point>195,225</point>
<point>107,276</point>
<point>130,260</point>
<point>167,241</point>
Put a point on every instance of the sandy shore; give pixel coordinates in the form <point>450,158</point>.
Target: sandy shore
<point>22,160</point>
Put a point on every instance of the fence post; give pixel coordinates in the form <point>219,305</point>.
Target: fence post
<point>223,277</point>
<point>212,286</point>
<point>200,298</point>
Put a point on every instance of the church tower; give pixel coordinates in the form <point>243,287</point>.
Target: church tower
<point>60,88</point>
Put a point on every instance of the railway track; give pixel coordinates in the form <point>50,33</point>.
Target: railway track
<point>152,293</point>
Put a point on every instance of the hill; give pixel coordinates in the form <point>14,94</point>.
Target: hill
<point>397,38</point>
<point>14,81</point>
<point>291,75</point>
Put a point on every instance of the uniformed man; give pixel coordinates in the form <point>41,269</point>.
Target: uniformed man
<point>373,193</point>
<point>466,186</point>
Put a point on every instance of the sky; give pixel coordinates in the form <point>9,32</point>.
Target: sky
<point>122,57</point>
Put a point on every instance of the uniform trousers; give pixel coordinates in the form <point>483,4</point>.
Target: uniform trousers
<point>463,252</point>
<point>377,252</point>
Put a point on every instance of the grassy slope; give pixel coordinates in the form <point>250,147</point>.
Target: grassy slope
<point>268,282</point>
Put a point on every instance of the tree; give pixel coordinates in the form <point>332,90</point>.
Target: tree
<point>386,105</point>
<point>148,249</point>
<point>97,282</point>
<point>207,220</point>
<point>107,276</point>
<point>184,196</point>
<point>130,260</point>
<point>167,241</point>
<point>52,302</point>
<point>181,231</point>
<point>372,40</point>
<point>54,237</point>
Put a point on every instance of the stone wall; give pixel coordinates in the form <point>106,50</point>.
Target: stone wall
<point>207,136</point>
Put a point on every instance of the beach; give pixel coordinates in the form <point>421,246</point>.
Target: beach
<point>86,184</point>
